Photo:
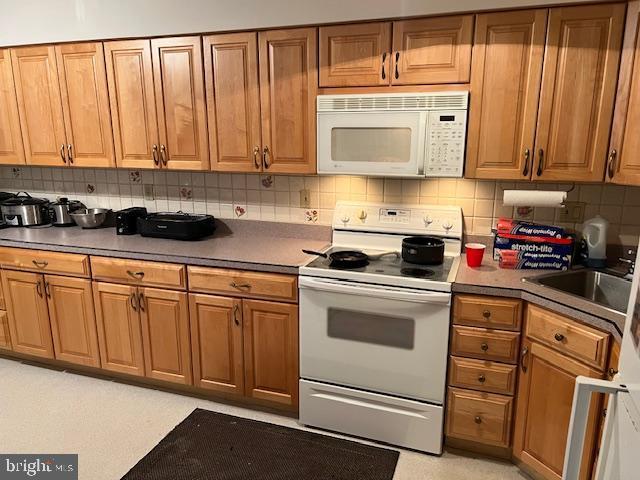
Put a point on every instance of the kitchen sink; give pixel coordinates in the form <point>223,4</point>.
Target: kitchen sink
<point>605,288</point>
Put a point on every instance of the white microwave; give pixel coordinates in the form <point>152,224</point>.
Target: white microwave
<point>392,134</point>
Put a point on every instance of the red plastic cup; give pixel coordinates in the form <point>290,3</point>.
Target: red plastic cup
<point>475,252</point>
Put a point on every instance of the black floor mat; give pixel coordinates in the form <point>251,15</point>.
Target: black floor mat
<point>213,446</point>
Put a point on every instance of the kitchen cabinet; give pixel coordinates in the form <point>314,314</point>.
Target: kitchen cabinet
<point>216,342</point>
<point>288,85</point>
<point>271,351</point>
<point>233,101</point>
<point>133,105</point>
<point>72,318</point>
<point>63,105</point>
<point>29,325</point>
<point>623,163</point>
<point>5,336</point>
<point>11,149</point>
<point>39,261</point>
<point>180,103</point>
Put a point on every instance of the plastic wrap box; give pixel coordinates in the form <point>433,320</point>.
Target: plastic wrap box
<point>533,253</point>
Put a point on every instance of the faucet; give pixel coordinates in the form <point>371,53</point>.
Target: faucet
<point>630,262</point>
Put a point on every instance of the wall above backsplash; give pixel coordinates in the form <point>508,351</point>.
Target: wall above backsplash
<point>278,197</point>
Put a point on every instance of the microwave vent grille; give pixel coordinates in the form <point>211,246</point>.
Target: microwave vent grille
<point>382,102</point>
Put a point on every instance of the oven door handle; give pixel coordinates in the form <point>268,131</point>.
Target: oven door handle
<point>375,291</point>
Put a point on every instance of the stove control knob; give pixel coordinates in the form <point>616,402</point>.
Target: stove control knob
<point>427,220</point>
<point>345,219</point>
<point>447,226</point>
<point>362,215</point>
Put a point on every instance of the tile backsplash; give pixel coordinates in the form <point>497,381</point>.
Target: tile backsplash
<point>279,197</point>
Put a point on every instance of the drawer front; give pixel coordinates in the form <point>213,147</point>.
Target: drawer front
<point>489,312</point>
<point>479,417</point>
<point>43,261</point>
<point>243,283</point>
<point>5,338</point>
<point>482,375</point>
<point>568,336</point>
<point>138,272</point>
<point>485,344</point>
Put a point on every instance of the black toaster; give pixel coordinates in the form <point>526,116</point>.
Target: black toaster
<point>127,220</point>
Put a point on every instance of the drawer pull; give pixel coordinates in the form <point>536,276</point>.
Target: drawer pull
<point>486,314</point>
<point>136,275</point>
<point>559,337</point>
<point>481,378</point>
<point>478,419</point>
<point>612,372</point>
<point>484,346</point>
<point>38,264</point>
<point>239,286</point>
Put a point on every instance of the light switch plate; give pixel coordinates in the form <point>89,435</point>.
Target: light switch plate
<point>572,212</point>
<point>305,198</point>
<point>148,192</point>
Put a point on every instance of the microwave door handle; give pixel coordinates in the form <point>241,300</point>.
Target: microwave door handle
<point>375,291</point>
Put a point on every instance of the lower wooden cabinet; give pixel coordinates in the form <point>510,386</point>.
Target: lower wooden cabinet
<point>5,336</point>
<point>29,324</point>
<point>73,321</point>
<point>543,412</point>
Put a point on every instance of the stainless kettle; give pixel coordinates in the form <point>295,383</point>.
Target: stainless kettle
<point>59,211</point>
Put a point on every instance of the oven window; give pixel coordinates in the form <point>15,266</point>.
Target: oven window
<point>380,144</point>
<point>372,328</point>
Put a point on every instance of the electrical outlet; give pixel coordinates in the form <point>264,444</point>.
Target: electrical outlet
<point>148,192</point>
<point>305,198</point>
<point>524,213</point>
<point>572,212</point>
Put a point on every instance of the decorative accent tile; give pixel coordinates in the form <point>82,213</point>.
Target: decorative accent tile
<point>135,177</point>
<point>267,181</point>
<point>186,193</point>
<point>240,210</point>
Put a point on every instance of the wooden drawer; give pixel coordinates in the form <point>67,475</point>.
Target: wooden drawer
<point>489,312</point>
<point>243,283</point>
<point>582,342</point>
<point>73,264</point>
<point>5,338</point>
<point>479,417</point>
<point>139,272</point>
<point>485,344</point>
<point>482,375</point>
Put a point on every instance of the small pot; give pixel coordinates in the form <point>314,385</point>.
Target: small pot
<point>423,250</point>
<point>59,212</point>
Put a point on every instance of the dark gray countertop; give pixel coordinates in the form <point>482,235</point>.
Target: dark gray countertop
<point>490,279</point>
<point>244,244</point>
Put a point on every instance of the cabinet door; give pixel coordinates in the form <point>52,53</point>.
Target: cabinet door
<point>85,102</point>
<point>288,86</point>
<point>624,161</point>
<point>578,88</point>
<point>355,55</point>
<point>73,321</point>
<point>216,343</point>
<point>545,397</point>
<point>40,105</point>
<point>505,86</point>
<point>165,334</point>
<point>233,101</point>
<point>119,332</point>
<point>28,315</point>
<point>432,50</point>
<point>271,351</point>
<point>11,150</point>
<point>182,117</point>
<point>5,336</point>
<point>133,107</point>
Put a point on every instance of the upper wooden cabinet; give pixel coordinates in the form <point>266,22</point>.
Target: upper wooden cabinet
<point>288,86</point>
<point>409,52</point>
<point>11,150</point>
<point>432,50</point>
<point>233,101</point>
<point>505,87</point>
<point>579,80</point>
<point>624,161</point>
<point>179,87</point>
<point>133,105</point>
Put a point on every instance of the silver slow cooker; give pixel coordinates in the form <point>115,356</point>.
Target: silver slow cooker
<point>23,210</point>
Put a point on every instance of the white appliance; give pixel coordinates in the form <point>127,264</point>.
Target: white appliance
<point>620,445</point>
<point>374,340</point>
<point>392,134</point>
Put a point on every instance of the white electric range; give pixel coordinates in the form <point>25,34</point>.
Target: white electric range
<point>374,340</point>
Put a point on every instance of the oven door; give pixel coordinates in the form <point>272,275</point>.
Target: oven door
<point>372,143</point>
<point>383,339</point>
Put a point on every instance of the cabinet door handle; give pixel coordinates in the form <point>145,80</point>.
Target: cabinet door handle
<point>540,162</point>
<point>397,74</point>
<point>70,153</point>
<point>39,288</point>
<point>236,309</point>
<point>523,356</point>
<point>141,301</point>
<point>265,157</point>
<point>256,156</point>
<point>612,163</point>
<point>384,59</point>
<point>154,154</point>
<point>47,290</point>
<point>132,301</point>
<point>240,286</point>
<point>42,264</point>
<point>559,337</point>
<point>64,159</point>
<point>484,346</point>
<point>163,155</point>
<point>486,314</point>
<point>136,275</point>
<point>527,156</point>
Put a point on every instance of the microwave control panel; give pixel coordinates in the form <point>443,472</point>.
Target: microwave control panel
<point>446,137</point>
